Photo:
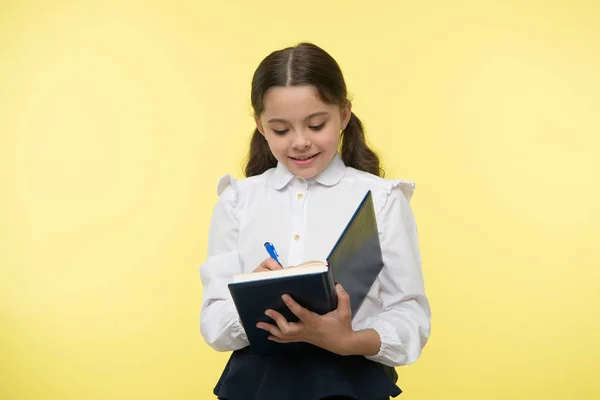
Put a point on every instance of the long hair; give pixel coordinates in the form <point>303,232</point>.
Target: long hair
<point>307,64</point>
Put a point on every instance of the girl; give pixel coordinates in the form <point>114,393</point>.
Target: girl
<point>309,166</point>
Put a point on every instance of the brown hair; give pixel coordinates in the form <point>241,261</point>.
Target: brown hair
<point>307,64</point>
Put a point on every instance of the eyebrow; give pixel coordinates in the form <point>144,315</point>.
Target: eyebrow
<point>307,118</point>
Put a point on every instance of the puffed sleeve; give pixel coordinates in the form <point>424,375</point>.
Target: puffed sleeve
<point>404,322</point>
<point>219,321</point>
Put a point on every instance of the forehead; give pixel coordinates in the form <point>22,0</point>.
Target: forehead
<point>293,102</point>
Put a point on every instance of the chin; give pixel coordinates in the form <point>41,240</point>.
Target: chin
<point>307,173</point>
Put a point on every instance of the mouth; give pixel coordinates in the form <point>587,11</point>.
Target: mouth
<point>304,158</point>
<point>304,161</point>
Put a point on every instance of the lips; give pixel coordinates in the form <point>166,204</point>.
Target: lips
<point>304,158</point>
<point>304,161</point>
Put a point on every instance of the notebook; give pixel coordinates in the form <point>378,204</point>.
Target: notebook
<point>355,261</point>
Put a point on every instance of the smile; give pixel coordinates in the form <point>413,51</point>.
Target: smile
<point>304,158</point>
<point>304,161</point>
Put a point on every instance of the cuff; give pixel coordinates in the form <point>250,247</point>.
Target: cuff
<point>384,336</point>
<point>238,330</point>
<point>390,352</point>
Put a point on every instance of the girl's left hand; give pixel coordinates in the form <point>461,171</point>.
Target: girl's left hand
<point>331,331</point>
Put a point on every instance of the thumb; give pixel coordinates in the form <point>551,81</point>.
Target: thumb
<point>343,300</point>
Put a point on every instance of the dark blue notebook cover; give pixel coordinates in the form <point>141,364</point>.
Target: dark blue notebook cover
<point>316,292</point>
<point>354,262</point>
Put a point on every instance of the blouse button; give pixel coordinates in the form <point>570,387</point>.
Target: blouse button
<point>300,195</point>
<point>300,180</point>
<point>296,237</point>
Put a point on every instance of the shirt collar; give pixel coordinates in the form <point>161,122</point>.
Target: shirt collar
<point>330,176</point>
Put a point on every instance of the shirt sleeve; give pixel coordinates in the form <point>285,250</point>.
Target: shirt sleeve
<point>219,321</point>
<point>404,322</point>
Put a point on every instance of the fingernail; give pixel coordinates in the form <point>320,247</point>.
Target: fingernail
<point>267,313</point>
<point>339,288</point>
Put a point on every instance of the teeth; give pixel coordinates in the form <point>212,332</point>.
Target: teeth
<point>302,158</point>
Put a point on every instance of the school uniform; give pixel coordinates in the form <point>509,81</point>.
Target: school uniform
<point>303,219</point>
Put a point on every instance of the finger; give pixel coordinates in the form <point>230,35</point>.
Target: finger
<point>302,313</point>
<point>343,300</point>
<point>268,265</point>
<point>279,340</point>
<point>272,329</point>
<point>284,326</point>
<point>271,264</point>
<point>276,339</point>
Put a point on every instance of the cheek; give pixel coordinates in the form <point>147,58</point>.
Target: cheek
<point>331,139</point>
<point>277,144</point>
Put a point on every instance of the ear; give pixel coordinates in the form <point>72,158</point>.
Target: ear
<point>346,114</point>
<point>259,125</point>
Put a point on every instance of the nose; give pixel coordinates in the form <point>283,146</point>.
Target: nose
<point>300,141</point>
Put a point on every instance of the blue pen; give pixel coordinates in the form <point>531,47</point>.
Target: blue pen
<point>272,252</point>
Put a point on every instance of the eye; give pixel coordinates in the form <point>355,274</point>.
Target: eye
<point>280,131</point>
<point>317,127</point>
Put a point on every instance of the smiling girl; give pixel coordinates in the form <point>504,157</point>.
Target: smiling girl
<point>308,168</point>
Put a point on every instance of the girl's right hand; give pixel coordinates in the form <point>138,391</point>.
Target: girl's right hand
<point>268,265</point>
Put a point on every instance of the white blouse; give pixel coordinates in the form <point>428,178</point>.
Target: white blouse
<point>303,219</point>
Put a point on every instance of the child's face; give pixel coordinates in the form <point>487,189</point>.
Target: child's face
<point>303,133</point>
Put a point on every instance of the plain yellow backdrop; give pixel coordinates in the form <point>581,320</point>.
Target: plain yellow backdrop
<point>118,117</point>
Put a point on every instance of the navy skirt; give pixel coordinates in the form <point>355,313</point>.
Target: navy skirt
<point>312,374</point>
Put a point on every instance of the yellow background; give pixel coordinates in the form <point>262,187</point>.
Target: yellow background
<point>117,118</point>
